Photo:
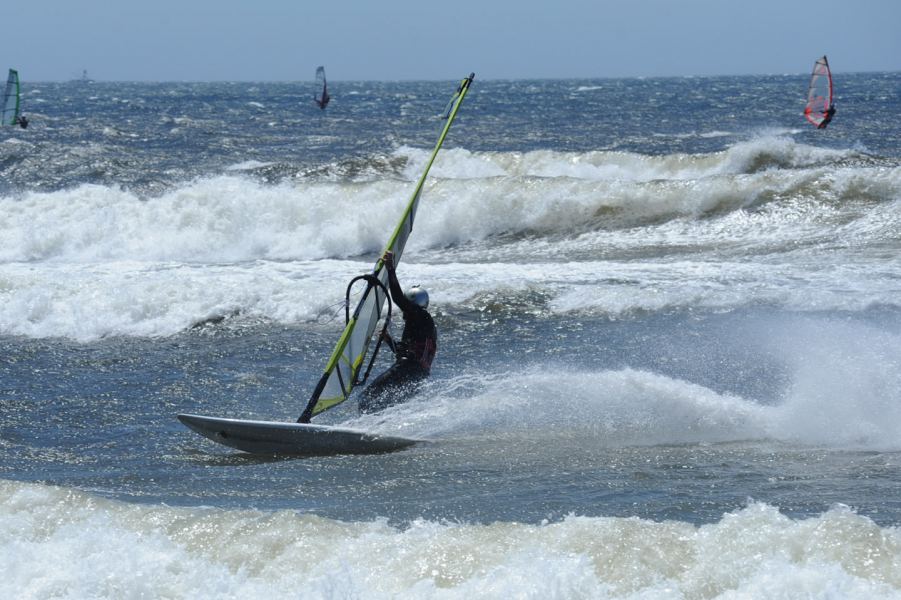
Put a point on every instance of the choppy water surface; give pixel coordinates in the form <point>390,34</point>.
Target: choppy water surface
<point>668,358</point>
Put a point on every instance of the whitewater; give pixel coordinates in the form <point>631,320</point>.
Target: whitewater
<point>496,221</point>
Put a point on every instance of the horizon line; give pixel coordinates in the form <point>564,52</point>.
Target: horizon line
<point>417,80</point>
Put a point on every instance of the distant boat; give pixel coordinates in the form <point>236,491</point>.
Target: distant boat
<point>83,79</point>
<point>820,100</point>
<point>322,96</point>
<point>12,103</point>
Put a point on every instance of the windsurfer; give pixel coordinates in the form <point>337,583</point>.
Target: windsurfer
<point>323,97</point>
<point>827,117</point>
<point>413,354</point>
<point>22,122</point>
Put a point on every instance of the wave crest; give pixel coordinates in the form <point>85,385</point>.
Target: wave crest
<point>69,544</point>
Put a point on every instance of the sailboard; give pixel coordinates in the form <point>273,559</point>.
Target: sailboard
<point>820,105</point>
<point>303,439</point>
<point>11,100</point>
<point>347,366</point>
<point>322,96</point>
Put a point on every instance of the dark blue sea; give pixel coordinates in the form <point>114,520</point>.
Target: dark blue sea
<point>669,317</point>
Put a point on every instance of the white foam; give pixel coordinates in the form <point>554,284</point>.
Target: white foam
<point>489,224</point>
<point>452,163</point>
<point>231,218</point>
<point>212,220</point>
<point>715,134</point>
<point>772,151</point>
<point>67,544</point>
<point>14,141</point>
<point>87,302</point>
<point>248,165</point>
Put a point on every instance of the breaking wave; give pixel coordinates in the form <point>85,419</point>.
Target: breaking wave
<point>599,232</point>
<point>476,197</point>
<point>66,544</point>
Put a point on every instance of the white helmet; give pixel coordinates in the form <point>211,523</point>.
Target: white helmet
<point>417,296</point>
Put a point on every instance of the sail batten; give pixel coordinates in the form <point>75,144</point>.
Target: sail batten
<point>11,100</point>
<point>820,94</point>
<point>349,355</point>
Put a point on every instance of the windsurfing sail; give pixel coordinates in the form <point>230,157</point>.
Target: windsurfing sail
<point>346,362</point>
<point>820,106</point>
<point>11,102</point>
<point>322,96</point>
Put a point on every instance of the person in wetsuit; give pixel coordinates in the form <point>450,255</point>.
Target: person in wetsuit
<point>827,118</point>
<point>22,122</point>
<point>413,354</point>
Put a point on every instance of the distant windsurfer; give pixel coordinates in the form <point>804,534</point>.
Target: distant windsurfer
<point>322,97</point>
<point>820,107</point>
<point>22,122</point>
<point>413,354</point>
<point>827,117</point>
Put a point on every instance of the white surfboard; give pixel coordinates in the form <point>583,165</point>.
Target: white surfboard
<point>301,439</point>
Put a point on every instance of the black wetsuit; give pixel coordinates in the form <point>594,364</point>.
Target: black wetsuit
<point>413,355</point>
<point>827,118</point>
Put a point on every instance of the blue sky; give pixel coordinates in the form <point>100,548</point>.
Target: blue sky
<point>284,40</point>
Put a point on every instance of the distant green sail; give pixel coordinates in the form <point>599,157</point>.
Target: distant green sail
<point>11,102</point>
<point>343,368</point>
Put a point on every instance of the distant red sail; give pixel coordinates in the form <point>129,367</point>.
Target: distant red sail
<point>819,94</point>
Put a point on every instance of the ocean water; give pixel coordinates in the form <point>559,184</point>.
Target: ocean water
<point>670,326</point>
